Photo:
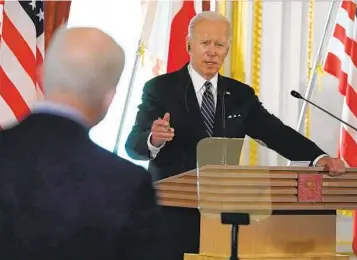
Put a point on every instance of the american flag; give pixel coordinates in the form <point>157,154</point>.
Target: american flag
<point>22,46</point>
<point>341,62</point>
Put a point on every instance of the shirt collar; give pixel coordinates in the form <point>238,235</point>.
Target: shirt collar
<point>198,81</point>
<point>59,110</point>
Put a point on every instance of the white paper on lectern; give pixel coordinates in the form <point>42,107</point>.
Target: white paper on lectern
<point>300,163</point>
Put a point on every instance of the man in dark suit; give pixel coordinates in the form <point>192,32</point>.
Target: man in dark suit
<point>62,196</point>
<point>181,108</point>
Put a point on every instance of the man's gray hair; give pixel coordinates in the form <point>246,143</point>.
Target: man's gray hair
<point>85,62</point>
<point>211,16</point>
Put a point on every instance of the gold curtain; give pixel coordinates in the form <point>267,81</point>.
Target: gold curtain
<point>237,9</point>
<point>237,64</point>
<point>255,65</point>
<point>238,40</point>
<point>221,7</point>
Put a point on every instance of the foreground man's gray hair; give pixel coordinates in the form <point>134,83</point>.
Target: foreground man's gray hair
<point>84,62</point>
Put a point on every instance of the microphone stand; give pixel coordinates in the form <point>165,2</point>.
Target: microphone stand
<point>224,152</point>
<point>126,102</point>
<point>298,96</point>
<point>234,219</point>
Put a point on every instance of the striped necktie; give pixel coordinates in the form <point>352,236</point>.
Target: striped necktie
<point>208,108</point>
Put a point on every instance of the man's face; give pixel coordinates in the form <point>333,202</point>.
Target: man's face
<point>209,47</point>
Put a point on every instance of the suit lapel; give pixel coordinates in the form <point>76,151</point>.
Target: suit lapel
<point>195,116</point>
<point>218,126</point>
<point>187,98</point>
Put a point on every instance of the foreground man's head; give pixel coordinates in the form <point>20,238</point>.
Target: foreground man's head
<point>82,68</point>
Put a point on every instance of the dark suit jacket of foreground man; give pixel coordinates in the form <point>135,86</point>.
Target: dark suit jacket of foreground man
<point>63,197</point>
<point>175,94</point>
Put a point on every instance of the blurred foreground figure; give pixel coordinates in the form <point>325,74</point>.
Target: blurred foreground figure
<point>62,196</point>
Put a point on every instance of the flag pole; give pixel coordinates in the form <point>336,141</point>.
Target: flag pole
<point>144,38</point>
<point>128,97</point>
<point>319,59</point>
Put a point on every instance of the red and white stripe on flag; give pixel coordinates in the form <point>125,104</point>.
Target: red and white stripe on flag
<point>21,52</point>
<point>341,62</point>
<point>177,53</point>
<point>165,30</point>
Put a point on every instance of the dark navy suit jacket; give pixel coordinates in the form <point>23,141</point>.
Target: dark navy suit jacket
<point>64,197</point>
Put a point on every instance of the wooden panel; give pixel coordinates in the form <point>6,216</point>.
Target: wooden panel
<point>339,190</point>
<point>249,189</point>
<point>231,189</point>
<point>219,181</point>
<point>238,187</point>
<point>179,203</point>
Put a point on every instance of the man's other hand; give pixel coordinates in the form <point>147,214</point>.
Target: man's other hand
<point>334,166</point>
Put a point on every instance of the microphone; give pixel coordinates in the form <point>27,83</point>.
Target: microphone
<point>297,95</point>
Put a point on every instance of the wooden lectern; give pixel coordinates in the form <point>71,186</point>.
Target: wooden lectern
<point>280,194</point>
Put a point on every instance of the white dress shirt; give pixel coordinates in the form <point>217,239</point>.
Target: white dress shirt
<point>198,83</point>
